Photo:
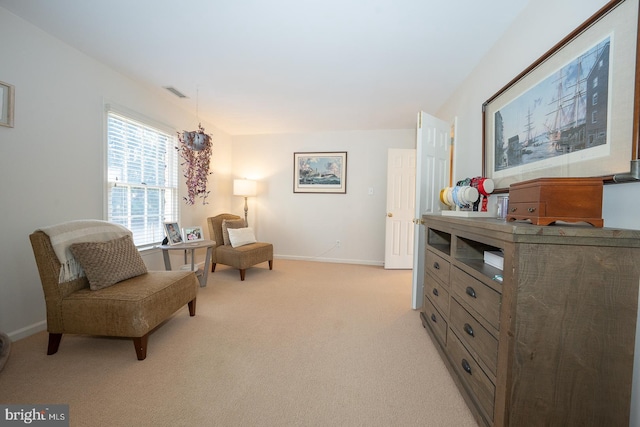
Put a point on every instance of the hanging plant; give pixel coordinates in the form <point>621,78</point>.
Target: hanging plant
<point>195,149</point>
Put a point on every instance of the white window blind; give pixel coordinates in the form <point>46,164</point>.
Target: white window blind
<point>142,177</point>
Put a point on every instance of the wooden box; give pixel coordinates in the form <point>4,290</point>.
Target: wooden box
<point>546,200</point>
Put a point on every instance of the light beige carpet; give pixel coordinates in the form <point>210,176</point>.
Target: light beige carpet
<point>307,344</point>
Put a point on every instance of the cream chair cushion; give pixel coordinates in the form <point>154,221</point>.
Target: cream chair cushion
<point>226,225</point>
<point>241,236</point>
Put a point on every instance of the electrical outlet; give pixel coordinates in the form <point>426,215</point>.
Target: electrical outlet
<point>337,243</point>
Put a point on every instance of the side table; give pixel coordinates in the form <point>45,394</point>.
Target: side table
<point>192,246</point>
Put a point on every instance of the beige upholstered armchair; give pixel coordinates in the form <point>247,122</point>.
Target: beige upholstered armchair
<point>240,257</point>
<point>132,306</point>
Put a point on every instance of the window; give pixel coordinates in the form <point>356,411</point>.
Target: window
<point>594,99</point>
<point>594,83</point>
<point>142,178</point>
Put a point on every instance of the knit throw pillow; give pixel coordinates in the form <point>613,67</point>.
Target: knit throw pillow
<point>226,225</point>
<point>110,262</point>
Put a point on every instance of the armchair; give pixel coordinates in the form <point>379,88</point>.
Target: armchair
<point>241,257</point>
<point>129,308</point>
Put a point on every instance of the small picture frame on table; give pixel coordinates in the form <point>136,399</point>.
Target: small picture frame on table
<point>173,233</point>
<point>192,234</point>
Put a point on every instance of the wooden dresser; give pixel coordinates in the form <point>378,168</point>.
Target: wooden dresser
<point>548,340</point>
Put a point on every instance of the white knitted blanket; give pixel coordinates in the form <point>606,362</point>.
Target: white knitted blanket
<point>64,234</point>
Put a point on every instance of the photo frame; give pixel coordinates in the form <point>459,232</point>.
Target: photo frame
<point>7,95</point>
<point>320,172</point>
<point>172,230</point>
<point>574,111</point>
<point>192,234</point>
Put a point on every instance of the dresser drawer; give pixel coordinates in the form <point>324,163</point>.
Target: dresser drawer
<point>484,300</point>
<point>481,387</point>
<point>527,210</point>
<point>474,335</point>
<point>438,294</point>
<point>436,322</point>
<point>438,267</point>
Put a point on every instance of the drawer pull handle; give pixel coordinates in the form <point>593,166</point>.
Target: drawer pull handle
<point>466,366</point>
<point>436,265</point>
<point>468,329</point>
<point>531,210</point>
<point>471,292</point>
<point>513,209</point>
<point>435,292</point>
<point>434,318</point>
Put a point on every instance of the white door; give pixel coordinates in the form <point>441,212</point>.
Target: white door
<point>401,192</point>
<point>433,144</point>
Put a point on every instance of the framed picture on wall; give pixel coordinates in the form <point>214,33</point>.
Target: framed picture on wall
<point>173,233</point>
<point>572,113</point>
<point>7,93</point>
<point>320,172</point>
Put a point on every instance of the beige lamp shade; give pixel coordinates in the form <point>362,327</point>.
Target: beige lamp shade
<point>244,187</point>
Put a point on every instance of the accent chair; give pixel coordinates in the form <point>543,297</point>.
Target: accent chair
<point>246,255</point>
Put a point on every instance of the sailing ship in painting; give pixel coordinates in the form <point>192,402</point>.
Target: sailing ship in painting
<point>562,114</point>
<point>319,170</point>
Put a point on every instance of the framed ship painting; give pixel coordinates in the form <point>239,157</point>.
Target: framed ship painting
<point>320,172</point>
<point>571,113</point>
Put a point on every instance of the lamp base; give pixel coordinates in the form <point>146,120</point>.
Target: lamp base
<point>246,209</point>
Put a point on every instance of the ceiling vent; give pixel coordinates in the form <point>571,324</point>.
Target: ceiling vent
<point>175,91</point>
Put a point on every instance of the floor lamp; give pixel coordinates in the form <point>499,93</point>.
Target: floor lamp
<point>245,188</point>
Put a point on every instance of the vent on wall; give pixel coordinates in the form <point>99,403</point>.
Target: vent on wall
<point>175,91</point>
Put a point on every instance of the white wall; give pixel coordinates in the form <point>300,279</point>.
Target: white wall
<point>541,25</point>
<point>306,226</point>
<point>51,162</point>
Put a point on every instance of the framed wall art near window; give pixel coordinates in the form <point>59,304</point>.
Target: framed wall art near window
<point>320,172</point>
<point>573,112</point>
<point>7,93</point>
<point>192,234</point>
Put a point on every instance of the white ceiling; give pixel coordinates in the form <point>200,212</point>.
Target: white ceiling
<point>286,65</point>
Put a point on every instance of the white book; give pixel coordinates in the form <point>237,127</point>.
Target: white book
<point>494,258</point>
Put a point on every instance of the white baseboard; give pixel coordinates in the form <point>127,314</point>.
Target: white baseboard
<point>334,260</point>
<point>28,330</point>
